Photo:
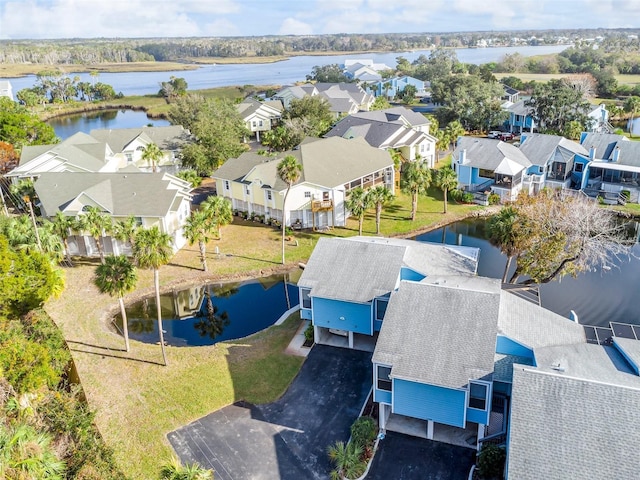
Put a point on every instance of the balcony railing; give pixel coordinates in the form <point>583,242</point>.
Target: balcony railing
<point>321,205</point>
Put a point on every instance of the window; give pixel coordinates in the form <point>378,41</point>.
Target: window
<point>129,157</point>
<point>268,194</point>
<point>248,191</point>
<point>260,123</point>
<point>478,395</point>
<point>253,124</point>
<point>384,382</point>
<point>325,196</point>
<point>307,194</point>
<point>226,184</point>
<point>381,307</point>
<point>306,299</point>
<point>578,167</point>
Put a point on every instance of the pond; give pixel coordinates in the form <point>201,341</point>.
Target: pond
<point>598,297</point>
<point>67,125</point>
<point>212,313</point>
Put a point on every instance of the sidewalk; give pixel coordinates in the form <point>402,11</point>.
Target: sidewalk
<point>295,346</point>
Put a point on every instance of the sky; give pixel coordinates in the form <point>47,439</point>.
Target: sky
<point>35,19</point>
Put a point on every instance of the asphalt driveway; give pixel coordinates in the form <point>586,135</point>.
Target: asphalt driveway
<point>402,457</point>
<point>286,439</point>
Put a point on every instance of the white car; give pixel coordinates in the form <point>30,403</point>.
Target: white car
<point>494,134</point>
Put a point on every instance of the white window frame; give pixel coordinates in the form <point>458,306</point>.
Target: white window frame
<point>302,290</point>
<point>375,307</point>
<point>226,185</point>
<point>307,194</point>
<point>378,379</point>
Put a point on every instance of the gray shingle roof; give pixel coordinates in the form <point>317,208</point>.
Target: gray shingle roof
<point>632,350</point>
<point>566,428</point>
<point>328,162</point>
<point>421,317</point>
<point>167,138</point>
<point>79,150</point>
<point>629,154</point>
<point>519,108</point>
<point>488,154</point>
<point>534,326</point>
<point>138,194</point>
<point>341,269</point>
<point>361,268</point>
<point>503,366</point>
<point>539,148</point>
<point>604,143</point>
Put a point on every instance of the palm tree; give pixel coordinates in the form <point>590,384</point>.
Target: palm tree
<point>219,211</point>
<point>416,178</point>
<point>62,226</point>
<point>447,180</point>
<point>289,170</point>
<point>503,234</point>
<point>50,242</point>
<point>358,202</point>
<point>173,470</point>
<point>152,155</point>
<point>442,142</point>
<point>21,234</point>
<point>378,196</point>
<point>117,276</point>
<point>454,130</point>
<point>125,230</point>
<point>152,249</point>
<point>25,453</point>
<point>198,228</point>
<point>96,223</point>
<point>632,106</point>
<point>346,458</point>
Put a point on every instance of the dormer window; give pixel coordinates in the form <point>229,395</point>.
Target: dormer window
<point>478,395</point>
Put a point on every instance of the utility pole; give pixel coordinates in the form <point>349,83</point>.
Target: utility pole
<point>33,219</point>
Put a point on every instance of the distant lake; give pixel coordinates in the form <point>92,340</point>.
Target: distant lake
<point>280,73</point>
<point>67,125</point>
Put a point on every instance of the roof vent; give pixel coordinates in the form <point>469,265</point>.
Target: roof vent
<point>557,367</point>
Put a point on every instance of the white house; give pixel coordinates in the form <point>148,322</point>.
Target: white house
<point>153,199</point>
<point>260,116</point>
<point>331,168</point>
<point>6,90</point>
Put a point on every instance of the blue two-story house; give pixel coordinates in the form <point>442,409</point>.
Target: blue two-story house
<point>345,287</point>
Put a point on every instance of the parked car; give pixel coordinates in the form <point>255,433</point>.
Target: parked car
<point>506,136</point>
<point>494,134</point>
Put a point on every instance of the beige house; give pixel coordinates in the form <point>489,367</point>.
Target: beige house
<point>153,199</point>
<point>331,168</point>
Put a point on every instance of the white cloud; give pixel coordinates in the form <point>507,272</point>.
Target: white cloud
<point>221,28</point>
<point>291,26</point>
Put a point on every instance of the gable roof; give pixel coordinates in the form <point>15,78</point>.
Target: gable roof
<point>171,137</point>
<point>79,152</point>
<point>489,154</point>
<point>539,147</point>
<point>358,269</point>
<point>604,143</point>
<point>120,194</point>
<point>565,426</point>
<point>421,315</point>
<point>534,326</point>
<point>328,162</point>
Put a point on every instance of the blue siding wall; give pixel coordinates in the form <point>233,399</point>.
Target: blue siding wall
<point>305,314</point>
<point>478,416</point>
<point>506,346</point>
<point>381,396</point>
<point>464,174</point>
<point>408,274</point>
<point>429,402</point>
<point>357,317</point>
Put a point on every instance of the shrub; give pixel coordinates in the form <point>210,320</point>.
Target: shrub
<point>467,197</point>
<point>456,195</point>
<point>308,333</point>
<point>347,460</point>
<point>364,431</point>
<point>494,198</point>
<point>491,461</point>
<point>626,194</point>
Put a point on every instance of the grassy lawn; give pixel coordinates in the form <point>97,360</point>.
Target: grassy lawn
<point>11,70</point>
<point>545,77</point>
<point>137,400</point>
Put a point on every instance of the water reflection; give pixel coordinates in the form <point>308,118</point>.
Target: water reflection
<point>207,314</point>
<point>598,297</point>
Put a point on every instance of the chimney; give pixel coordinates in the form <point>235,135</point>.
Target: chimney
<point>592,153</point>
<point>616,154</point>
<point>463,156</point>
